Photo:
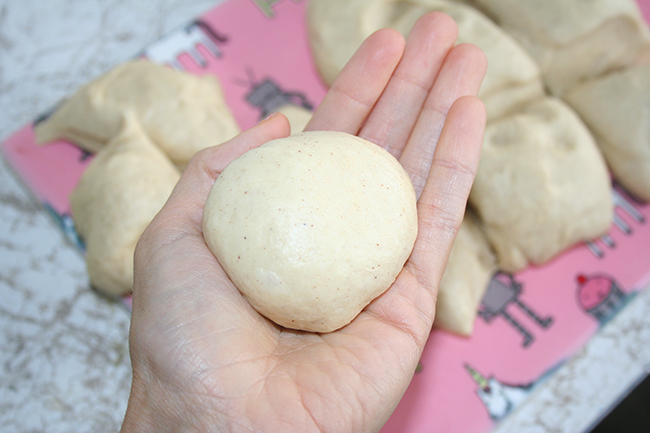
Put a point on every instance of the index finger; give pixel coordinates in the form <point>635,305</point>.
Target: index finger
<point>359,85</point>
<point>183,212</point>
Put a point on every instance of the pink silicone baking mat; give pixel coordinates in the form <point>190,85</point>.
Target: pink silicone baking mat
<point>529,323</point>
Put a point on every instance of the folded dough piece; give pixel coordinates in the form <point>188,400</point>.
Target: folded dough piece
<point>119,193</point>
<point>182,113</point>
<point>338,27</point>
<point>471,264</point>
<point>298,117</point>
<point>573,41</point>
<point>617,109</point>
<point>542,185</point>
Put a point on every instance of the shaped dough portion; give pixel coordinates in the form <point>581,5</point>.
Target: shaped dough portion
<point>542,185</point>
<point>312,227</point>
<point>617,109</point>
<point>471,264</point>
<point>338,27</point>
<point>573,41</point>
<point>298,117</point>
<point>119,193</point>
<point>180,112</point>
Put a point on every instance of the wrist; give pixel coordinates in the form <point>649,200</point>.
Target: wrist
<point>154,409</point>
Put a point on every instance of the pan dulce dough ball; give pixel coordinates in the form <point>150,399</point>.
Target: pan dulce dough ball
<point>312,227</point>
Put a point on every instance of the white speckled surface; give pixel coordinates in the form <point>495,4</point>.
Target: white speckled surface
<point>64,363</point>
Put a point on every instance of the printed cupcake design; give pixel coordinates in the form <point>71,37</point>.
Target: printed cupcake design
<point>600,296</point>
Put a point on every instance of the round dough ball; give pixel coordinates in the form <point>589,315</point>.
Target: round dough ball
<point>312,227</point>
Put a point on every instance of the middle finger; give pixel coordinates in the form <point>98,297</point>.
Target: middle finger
<point>460,75</point>
<point>395,114</point>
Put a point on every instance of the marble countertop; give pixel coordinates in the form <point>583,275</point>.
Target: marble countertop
<point>64,363</point>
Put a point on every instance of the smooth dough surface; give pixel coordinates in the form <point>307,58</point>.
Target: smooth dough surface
<point>180,112</point>
<point>311,228</point>
<point>471,264</point>
<point>338,27</point>
<point>617,109</point>
<point>574,41</point>
<point>122,189</point>
<point>542,185</point>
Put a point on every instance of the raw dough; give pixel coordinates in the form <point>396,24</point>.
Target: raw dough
<point>312,227</point>
<point>573,41</point>
<point>471,264</point>
<point>180,112</point>
<point>617,109</point>
<point>542,185</point>
<point>338,27</point>
<point>119,193</point>
<point>298,117</point>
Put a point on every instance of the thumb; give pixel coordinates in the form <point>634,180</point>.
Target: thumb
<point>183,212</point>
<point>175,233</point>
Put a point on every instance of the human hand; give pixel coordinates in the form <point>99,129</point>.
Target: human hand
<point>204,360</point>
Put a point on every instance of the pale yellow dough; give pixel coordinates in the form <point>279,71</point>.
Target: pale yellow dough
<point>542,185</point>
<point>180,112</point>
<point>574,40</point>
<point>311,228</point>
<point>617,109</point>
<point>338,27</point>
<point>471,264</point>
<point>298,117</point>
<point>119,193</point>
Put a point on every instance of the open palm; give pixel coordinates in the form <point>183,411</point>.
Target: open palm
<point>204,360</point>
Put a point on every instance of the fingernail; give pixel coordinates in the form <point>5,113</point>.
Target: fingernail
<point>268,117</point>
